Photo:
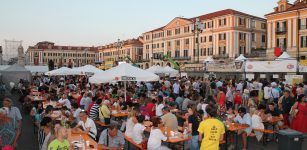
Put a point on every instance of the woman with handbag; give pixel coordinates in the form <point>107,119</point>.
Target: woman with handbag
<point>299,109</point>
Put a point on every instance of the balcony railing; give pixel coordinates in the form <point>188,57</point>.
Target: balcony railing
<point>256,54</point>
<point>145,60</point>
<point>182,58</point>
<point>281,30</point>
<point>303,27</point>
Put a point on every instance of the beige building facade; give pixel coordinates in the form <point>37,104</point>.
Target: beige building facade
<point>287,29</point>
<point>120,50</point>
<point>69,56</point>
<point>223,35</point>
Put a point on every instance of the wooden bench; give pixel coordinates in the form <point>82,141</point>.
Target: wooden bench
<point>265,132</point>
<point>130,140</point>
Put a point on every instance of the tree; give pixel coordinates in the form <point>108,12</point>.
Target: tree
<point>50,65</point>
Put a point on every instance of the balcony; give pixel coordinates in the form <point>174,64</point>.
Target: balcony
<point>144,60</point>
<point>303,27</point>
<point>182,58</point>
<point>221,56</point>
<point>256,54</point>
<point>281,30</point>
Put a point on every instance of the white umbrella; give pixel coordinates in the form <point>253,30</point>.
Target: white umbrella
<point>155,69</point>
<point>241,58</point>
<point>284,56</point>
<point>87,69</point>
<point>123,72</point>
<point>63,71</point>
<point>209,59</point>
<point>169,70</point>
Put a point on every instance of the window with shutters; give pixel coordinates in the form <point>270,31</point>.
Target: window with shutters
<point>222,36</point>
<point>241,36</point>
<point>222,22</point>
<point>186,29</point>
<point>253,37</point>
<point>186,53</point>
<point>187,41</point>
<point>210,51</point>
<point>242,21</point>
<point>210,38</point>
<point>177,31</point>
<point>263,26</point>
<point>303,41</point>
<point>242,50</point>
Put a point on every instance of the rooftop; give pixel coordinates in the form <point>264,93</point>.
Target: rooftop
<point>214,15</point>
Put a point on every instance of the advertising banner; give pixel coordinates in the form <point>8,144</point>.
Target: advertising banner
<point>271,66</point>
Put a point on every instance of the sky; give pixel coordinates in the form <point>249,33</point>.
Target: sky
<point>99,22</point>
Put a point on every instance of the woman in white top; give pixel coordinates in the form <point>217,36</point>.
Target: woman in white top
<point>159,106</point>
<point>131,121</point>
<point>156,135</point>
<point>138,130</point>
<point>256,122</point>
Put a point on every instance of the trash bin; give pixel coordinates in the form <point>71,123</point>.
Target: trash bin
<point>289,139</point>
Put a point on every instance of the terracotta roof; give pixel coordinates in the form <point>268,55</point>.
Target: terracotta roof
<point>156,29</point>
<point>222,13</point>
<point>295,6</point>
<point>137,41</point>
<point>42,45</point>
<point>214,15</point>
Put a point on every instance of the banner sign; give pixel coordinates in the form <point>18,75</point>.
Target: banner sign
<point>125,78</point>
<point>291,79</point>
<point>303,66</point>
<point>262,76</point>
<point>271,66</point>
<point>275,76</point>
<point>250,76</point>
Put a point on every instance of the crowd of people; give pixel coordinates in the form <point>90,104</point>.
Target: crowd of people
<point>200,108</point>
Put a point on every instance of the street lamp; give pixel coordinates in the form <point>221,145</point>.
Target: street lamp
<point>197,28</point>
<point>118,46</point>
<point>85,57</point>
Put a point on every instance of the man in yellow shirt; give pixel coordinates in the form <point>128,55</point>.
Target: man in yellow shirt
<point>212,129</point>
<point>104,112</point>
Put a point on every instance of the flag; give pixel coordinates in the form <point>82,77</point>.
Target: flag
<point>277,51</point>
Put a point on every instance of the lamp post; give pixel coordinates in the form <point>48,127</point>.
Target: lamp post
<point>118,46</point>
<point>197,28</point>
<point>85,57</point>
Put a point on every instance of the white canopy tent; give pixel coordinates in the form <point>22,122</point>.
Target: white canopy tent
<point>241,58</point>
<point>123,72</point>
<point>284,56</point>
<point>169,70</point>
<point>63,71</point>
<point>155,69</point>
<point>87,69</point>
<point>37,69</point>
<point>209,59</point>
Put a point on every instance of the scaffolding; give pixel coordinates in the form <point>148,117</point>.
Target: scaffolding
<point>11,49</point>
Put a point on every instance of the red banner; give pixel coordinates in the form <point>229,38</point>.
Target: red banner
<point>277,51</point>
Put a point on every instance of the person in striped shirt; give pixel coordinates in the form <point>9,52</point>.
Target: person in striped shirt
<point>94,112</point>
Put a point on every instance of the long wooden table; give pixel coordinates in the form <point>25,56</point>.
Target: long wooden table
<point>235,127</point>
<point>76,137</point>
<point>37,98</point>
<point>172,139</point>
